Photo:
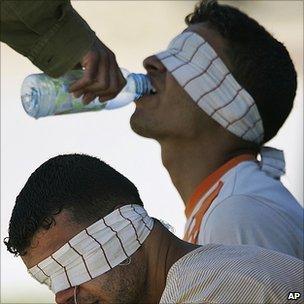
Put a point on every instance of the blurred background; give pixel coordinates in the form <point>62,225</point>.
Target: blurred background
<point>133,30</point>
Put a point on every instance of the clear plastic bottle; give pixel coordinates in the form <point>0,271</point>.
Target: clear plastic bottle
<point>43,96</point>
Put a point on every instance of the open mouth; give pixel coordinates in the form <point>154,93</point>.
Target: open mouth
<point>152,91</point>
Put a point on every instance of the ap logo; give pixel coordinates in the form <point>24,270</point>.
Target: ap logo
<point>294,296</point>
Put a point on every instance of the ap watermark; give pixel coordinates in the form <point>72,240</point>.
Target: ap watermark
<point>294,296</point>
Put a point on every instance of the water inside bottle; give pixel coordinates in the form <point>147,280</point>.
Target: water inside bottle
<point>43,96</point>
<point>30,101</point>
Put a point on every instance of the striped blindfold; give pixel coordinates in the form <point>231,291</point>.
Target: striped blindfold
<point>204,76</point>
<point>95,250</point>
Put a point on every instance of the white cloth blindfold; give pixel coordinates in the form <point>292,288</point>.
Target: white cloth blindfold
<point>95,250</point>
<point>204,76</point>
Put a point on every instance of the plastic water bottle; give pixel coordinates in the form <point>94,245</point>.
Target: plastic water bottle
<point>43,96</point>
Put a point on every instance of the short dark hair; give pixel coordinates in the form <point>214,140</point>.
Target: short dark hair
<point>84,185</point>
<point>259,62</point>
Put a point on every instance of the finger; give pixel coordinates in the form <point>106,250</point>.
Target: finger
<point>101,82</point>
<point>113,84</point>
<point>114,87</point>
<point>103,76</point>
<point>121,79</point>
<point>79,93</point>
<point>88,97</point>
<point>104,98</point>
<point>117,85</point>
<point>90,71</point>
<point>117,82</point>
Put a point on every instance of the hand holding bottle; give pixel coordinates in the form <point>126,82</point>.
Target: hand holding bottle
<point>102,76</point>
<point>43,96</point>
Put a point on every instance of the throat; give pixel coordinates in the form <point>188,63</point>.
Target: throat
<point>188,164</point>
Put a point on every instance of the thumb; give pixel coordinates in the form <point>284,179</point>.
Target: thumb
<point>90,65</point>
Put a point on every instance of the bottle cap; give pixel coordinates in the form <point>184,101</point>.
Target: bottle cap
<point>142,85</point>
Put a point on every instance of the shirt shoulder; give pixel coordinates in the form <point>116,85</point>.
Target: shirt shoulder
<point>248,178</point>
<point>247,185</point>
<point>199,276</point>
<point>243,219</point>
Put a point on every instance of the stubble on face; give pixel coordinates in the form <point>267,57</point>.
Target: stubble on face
<point>124,284</point>
<point>169,113</point>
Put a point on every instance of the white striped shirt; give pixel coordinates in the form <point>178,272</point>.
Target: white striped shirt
<point>234,274</point>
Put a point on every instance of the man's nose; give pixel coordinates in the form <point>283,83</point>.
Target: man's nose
<point>153,64</point>
<point>65,296</point>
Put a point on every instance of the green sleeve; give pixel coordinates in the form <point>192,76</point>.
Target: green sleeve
<point>50,33</point>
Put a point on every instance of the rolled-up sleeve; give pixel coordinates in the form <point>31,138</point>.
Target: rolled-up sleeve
<point>50,33</point>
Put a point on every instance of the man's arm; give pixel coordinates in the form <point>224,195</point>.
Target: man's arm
<point>55,38</point>
<point>50,33</point>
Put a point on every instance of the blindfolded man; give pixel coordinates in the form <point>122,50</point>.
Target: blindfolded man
<point>224,87</point>
<point>80,228</point>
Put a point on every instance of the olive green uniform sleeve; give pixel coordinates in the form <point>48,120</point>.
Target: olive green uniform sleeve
<point>50,33</point>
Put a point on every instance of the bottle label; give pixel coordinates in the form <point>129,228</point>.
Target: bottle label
<point>65,102</point>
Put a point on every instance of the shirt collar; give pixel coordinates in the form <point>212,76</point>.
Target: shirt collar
<point>210,180</point>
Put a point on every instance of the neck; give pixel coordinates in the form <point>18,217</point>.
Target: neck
<point>188,163</point>
<point>162,250</point>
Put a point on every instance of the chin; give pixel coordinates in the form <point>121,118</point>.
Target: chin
<point>141,126</point>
